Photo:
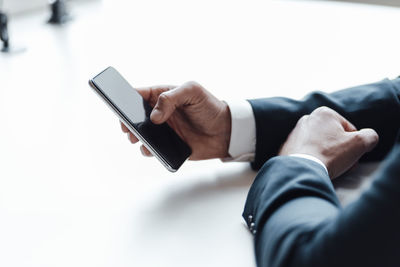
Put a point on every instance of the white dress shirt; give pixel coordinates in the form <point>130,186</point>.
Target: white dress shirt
<point>242,146</point>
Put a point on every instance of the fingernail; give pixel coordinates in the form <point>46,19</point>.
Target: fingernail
<point>156,115</point>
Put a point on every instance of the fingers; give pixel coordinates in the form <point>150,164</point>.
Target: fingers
<point>169,101</point>
<point>130,135</point>
<point>365,139</point>
<point>164,108</point>
<point>132,138</point>
<point>303,119</point>
<point>124,128</point>
<point>150,94</point>
<point>347,126</point>
<point>145,151</point>
<point>328,112</point>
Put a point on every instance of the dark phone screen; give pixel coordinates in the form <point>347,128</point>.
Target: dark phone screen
<point>136,111</point>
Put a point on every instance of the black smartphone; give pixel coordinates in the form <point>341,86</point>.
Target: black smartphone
<point>160,139</point>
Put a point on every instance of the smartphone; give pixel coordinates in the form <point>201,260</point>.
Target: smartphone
<point>160,139</point>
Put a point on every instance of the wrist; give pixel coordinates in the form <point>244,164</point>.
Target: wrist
<point>218,138</point>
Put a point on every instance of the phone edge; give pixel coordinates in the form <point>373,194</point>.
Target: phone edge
<point>129,126</point>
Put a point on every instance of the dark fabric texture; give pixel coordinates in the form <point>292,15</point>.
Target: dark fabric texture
<point>373,106</point>
<point>292,208</point>
<point>300,223</point>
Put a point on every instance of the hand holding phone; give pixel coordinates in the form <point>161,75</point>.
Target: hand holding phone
<point>199,118</point>
<point>203,121</point>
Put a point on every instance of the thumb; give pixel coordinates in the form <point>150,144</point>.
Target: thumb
<point>170,100</point>
<point>366,138</point>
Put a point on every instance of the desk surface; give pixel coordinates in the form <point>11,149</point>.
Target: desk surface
<point>75,192</point>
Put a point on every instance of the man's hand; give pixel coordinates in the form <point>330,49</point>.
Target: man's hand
<point>198,117</point>
<point>332,139</point>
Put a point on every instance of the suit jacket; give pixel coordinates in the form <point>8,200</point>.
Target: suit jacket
<point>292,208</point>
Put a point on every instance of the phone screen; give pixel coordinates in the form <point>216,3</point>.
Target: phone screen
<point>135,111</point>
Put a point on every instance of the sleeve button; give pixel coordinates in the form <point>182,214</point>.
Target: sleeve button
<point>250,218</point>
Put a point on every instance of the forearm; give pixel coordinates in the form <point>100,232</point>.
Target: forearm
<point>277,206</point>
<point>373,106</point>
<point>298,220</point>
<point>365,233</point>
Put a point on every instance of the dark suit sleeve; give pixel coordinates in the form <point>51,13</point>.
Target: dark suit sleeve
<point>373,106</point>
<point>297,220</point>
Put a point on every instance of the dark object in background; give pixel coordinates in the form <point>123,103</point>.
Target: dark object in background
<point>5,38</point>
<point>59,12</point>
<point>4,32</point>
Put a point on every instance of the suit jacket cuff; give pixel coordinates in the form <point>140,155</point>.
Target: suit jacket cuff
<point>281,180</point>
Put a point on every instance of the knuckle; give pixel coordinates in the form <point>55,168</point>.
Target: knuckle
<point>360,140</point>
<point>375,136</point>
<point>302,120</point>
<point>193,84</point>
<point>164,98</point>
<point>193,87</point>
<point>323,111</point>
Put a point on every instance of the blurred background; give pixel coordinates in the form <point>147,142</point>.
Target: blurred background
<point>75,192</point>
<point>375,2</point>
<point>21,6</point>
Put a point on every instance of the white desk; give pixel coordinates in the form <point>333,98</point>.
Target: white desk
<point>74,192</point>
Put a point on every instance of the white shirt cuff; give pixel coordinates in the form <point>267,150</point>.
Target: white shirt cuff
<point>242,146</point>
<point>309,157</point>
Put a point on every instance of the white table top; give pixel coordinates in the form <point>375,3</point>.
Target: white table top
<point>75,192</point>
